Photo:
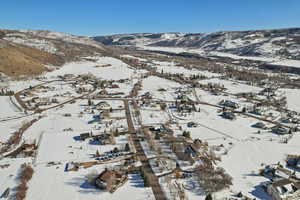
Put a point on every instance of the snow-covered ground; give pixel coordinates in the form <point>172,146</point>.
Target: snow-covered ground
<point>10,174</point>
<point>293,99</point>
<point>240,146</point>
<point>53,183</point>
<point>233,56</point>
<point>244,160</point>
<point>8,109</point>
<point>232,86</point>
<point>166,49</point>
<point>118,70</point>
<point>211,53</point>
<point>152,84</point>
<point>288,63</point>
<point>170,67</point>
<point>153,117</point>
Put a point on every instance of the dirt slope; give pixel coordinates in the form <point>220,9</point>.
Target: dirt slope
<point>17,60</point>
<point>28,53</point>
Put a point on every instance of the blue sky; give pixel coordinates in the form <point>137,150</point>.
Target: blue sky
<point>100,17</point>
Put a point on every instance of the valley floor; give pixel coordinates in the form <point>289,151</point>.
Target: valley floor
<point>127,104</point>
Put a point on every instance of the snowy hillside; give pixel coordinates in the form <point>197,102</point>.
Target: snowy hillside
<point>283,43</point>
<point>47,40</point>
<point>64,37</point>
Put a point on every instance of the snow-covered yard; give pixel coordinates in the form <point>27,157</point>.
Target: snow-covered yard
<point>53,183</point>
<point>293,99</point>
<point>8,109</point>
<point>153,84</point>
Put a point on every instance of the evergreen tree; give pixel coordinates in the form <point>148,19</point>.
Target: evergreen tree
<point>97,153</point>
<point>186,134</point>
<point>127,147</point>
<point>208,197</point>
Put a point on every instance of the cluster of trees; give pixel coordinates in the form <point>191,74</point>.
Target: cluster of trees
<point>2,34</point>
<point>163,106</point>
<point>246,75</point>
<point>91,177</point>
<point>17,136</point>
<point>4,92</point>
<point>145,176</point>
<point>25,176</point>
<point>90,102</point>
<point>186,134</point>
<point>213,179</point>
<point>135,89</point>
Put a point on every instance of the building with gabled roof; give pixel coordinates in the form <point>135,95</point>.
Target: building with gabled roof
<point>284,189</point>
<point>110,180</point>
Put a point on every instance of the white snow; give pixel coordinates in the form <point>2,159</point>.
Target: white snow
<point>152,84</point>
<point>288,63</point>
<point>232,86</point>
<point>64,37</point>
<point>221,54</point>
<point>118,70</point>
<point>293,99</point>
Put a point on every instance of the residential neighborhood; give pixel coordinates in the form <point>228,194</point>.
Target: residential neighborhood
<point>150,100</point>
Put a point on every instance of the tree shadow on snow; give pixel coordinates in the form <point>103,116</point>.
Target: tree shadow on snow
<point>83,185</point>
<point>123,139</point>
<point>292,168</point>
<point>252,174</point>
<point>136,180</point>
<point>192,185</point>
<point>94,142</point>
<point>76,138</point>
<point>260,193</point>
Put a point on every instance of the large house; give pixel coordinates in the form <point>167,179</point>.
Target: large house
<point>280,130</point>
<point>228,115</point>
<point>186,152</point>
<point>284,189</point>
<point>260,125</point>
<point>84,136</point>
<point>293,161</point>
<point>109,180</point>
<point>230,104</point>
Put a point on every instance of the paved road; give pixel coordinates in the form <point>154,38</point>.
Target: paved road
<point>153,179</point>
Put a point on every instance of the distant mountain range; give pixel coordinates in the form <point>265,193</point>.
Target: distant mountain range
<point>282,43</point>
<point>24,52</point>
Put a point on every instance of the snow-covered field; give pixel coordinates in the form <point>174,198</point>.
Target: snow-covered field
<point>153,117</point>
<point>117,70</point>
<point>53,183</point>
<point>211,53</point>
<point>8,109</point>
<point>288,63</point>
<point>232,86</point>
<point>242,148</point>
<point>152,84</point>
<point>293,99</point>
<point>245,159</point>
<point>221,54</point>
<point>57,136</point>
<point>170,67</point>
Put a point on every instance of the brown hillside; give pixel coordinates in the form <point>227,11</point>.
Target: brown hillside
<point>27,53</point>
<point>19,60</point>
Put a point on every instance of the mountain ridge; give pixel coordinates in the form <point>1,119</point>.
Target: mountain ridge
<point>284,43</point>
